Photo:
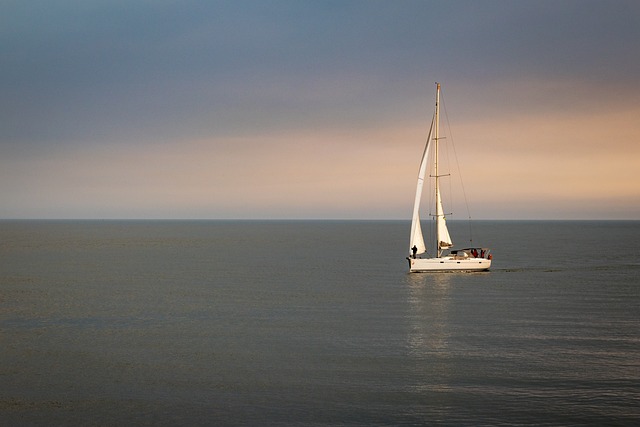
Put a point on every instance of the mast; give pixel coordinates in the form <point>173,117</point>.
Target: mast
<point>435,170</point>
<point>443,239</point>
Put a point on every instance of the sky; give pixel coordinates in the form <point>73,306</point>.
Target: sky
<point>122,109</point>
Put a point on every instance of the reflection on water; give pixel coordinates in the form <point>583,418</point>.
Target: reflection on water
<point>430,332</point>
<point>429,298</point>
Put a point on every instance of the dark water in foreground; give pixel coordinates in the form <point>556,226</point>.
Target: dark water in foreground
<point>315,323</point>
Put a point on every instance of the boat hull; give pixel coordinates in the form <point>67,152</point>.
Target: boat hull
<point>426,265</point>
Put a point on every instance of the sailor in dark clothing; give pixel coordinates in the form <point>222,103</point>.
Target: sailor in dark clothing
<point>414,249</point>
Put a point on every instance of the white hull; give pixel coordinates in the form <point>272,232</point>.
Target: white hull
<point>448,263</point>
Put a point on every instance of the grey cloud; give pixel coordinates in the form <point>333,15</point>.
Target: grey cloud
<point>113,71</point>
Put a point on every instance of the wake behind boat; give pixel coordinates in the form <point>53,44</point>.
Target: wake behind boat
<point>444,258</point>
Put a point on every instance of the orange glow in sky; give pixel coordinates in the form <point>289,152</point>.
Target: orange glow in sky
<point>249,113</point>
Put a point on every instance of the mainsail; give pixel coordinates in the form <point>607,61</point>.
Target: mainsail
<point>417,240</point>
<point>441,224</point>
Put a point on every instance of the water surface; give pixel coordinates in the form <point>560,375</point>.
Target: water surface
<point>315,323</point>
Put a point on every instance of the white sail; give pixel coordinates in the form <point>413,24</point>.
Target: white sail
<point>417,238</point>
<point>441,223</point>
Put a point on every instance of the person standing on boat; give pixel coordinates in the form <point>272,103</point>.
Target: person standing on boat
<point>414,249</point>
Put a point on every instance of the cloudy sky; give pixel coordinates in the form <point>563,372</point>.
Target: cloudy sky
<point>316,109</point>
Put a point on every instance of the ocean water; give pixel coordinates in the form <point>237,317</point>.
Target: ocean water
<point>315,323</point>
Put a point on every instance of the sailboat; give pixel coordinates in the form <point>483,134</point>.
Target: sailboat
<point>443,257</point>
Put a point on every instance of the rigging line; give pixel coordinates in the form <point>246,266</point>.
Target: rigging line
<point>455,154</point>
<point>451,198</point>
<point>446,158</point>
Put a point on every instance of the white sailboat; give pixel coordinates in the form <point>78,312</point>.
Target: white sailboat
<point>443,258</point>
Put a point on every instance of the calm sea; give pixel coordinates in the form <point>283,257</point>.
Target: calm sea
<point>315,323</point>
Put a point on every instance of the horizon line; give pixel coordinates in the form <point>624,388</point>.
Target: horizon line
<point>310,219</point>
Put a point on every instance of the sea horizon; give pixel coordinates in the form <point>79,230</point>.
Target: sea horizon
<point>457,220</point>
